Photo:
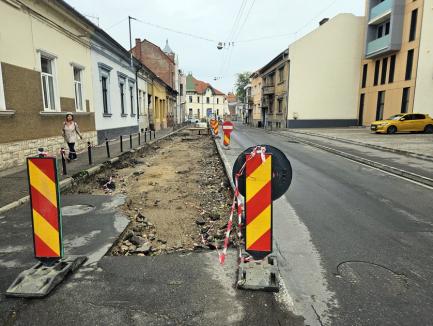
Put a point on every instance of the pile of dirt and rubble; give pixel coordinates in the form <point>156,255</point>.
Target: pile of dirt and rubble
<point>178,197</point>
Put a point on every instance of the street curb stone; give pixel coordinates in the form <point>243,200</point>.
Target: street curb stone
<point>384,167</point>
<point>228,169</point>
<point>84,174</point>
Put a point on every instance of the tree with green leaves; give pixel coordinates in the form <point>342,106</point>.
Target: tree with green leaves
<point>243,79</point>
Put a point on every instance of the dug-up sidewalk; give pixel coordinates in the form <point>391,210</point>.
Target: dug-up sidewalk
<point>389,153</point>
<point>14,183</point>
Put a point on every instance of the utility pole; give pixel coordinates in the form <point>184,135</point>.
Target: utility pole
<point>130,36</point>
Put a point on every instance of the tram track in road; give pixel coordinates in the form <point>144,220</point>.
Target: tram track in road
<point>340,207</point>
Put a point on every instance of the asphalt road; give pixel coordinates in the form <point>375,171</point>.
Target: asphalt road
<point>354,244</point>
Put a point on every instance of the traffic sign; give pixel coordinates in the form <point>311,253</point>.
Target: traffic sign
<point>227,129</point>
<point>228,126</point>
<point>281,171</point>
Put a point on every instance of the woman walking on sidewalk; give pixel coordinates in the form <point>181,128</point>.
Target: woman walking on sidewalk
<point>70,132</point>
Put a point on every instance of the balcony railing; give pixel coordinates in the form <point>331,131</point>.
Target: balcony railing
<point>381,12</point>
<point>250,99</point>
<point>378,45</point>
<point>268,90</point>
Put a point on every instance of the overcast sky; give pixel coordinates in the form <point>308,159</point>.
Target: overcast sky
<point>215,20</point>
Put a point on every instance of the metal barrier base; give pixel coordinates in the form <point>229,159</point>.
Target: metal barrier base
<point>41,279</point>
<point>259,275</point>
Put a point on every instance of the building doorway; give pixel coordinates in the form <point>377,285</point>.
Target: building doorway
<point>361,110</point>
<point>380,105</point>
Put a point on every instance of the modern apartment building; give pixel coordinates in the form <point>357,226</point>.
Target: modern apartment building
<point>391,57</point>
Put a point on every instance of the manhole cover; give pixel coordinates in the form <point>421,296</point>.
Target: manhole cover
<point>76,210</point>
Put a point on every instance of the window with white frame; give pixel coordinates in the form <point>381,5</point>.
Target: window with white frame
<point>78,87</point>
<point>48,83</point>
<point>2,94</point>
<point>105,90</point>
<point>122,95</point>
<point>131,98</point>
<point>140,99</point>
<point>104,78</point>
<point>144,103</point>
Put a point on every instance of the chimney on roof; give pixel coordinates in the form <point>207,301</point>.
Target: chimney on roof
<point>138,48</point>
<point>323,21</point>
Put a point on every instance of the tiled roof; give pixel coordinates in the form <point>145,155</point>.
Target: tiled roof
<point>199,86</point>
<point>231,98</point>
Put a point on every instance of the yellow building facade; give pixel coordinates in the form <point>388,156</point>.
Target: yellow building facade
<point>390,60</point>
<point>255,102</point>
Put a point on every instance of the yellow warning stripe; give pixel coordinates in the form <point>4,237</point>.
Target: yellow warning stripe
<point>42,183</point>
<point>259,226</point>
<point>45,232</point>
<point>259,178</point>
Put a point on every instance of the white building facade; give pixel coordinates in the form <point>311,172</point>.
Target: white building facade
<point>323,89</point>
<point>424,81</point>
<point>114,85</point>
<point>144,80</point>
<point>204,101</point>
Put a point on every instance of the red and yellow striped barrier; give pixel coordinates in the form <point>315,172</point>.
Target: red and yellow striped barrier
<point>214,125</point>
<point>258,208</point>
<point>227,129</point>
<point>226,139</point>
<point>45,205</point>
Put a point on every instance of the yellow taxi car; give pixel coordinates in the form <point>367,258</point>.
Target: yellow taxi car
<point>409,122</point>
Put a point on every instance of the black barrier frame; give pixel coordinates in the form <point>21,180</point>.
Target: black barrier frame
<point>107,146</point>
<point>62,155</point>
<point>89,152</point>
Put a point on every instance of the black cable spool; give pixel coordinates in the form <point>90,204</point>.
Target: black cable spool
<point>281,171</point>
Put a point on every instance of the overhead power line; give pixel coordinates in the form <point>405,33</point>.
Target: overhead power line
<point>292,33</point>
<point>237,19</point>
<point>235,38</point>
<point>118,23</point>
<point>235,30</point>
<point>177,31</point>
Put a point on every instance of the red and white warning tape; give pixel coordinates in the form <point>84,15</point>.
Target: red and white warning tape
<point>238,200</point>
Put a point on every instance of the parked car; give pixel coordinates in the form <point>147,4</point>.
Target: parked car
<point>410,122</point>
<point>192,120</point>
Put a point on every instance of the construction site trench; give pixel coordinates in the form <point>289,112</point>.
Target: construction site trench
<point>177,197</point>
